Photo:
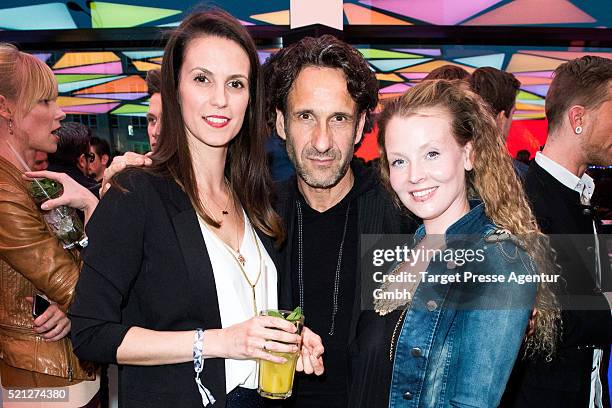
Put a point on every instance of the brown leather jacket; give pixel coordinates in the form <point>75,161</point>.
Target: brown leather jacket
<point>32,261</point>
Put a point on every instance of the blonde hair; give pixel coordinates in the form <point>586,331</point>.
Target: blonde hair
<point>492,180</point>
<point>25,79</point>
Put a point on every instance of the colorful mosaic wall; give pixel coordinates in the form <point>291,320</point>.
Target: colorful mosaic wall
<point>399,68</point>
<point>97,83</point>
<point>68,14</point>
<point>106,82</point>
<point>112,82</point>
<point>597,13</point>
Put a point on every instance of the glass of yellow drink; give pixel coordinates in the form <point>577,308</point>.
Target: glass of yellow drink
<point>276,380</point>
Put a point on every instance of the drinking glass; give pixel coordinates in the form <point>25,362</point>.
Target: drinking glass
<point>63,221</point>
<point>276,380</point>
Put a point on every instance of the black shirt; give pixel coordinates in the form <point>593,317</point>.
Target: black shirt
<point>371,363</point>
<point>321,239</point>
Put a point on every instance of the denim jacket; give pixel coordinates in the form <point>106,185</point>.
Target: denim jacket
<point>458,342</point>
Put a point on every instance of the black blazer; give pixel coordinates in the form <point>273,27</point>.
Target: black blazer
<point>587,321</point>
<point>147,265</point>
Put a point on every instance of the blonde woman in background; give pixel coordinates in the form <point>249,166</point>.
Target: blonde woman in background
<point>34,352</point>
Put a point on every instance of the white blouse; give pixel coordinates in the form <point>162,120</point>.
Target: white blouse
<point>234,293</point>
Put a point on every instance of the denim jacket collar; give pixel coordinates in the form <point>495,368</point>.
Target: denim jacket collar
<point>474,222</point>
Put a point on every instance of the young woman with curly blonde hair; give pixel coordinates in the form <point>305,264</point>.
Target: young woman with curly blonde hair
<point>453,341</point>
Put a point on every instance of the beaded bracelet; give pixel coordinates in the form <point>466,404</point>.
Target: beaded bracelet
<point>198,366</point>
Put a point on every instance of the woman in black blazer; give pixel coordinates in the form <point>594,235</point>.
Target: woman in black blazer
<point>178,264</point>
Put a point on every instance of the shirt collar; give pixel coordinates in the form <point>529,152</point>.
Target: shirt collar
<point>474,222</point>
<point>583,185</point>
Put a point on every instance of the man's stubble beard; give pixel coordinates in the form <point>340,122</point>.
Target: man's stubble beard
<point>595,155</point>
<point>311,180</point>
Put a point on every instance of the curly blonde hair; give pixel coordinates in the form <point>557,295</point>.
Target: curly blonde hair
<point>492,180</point>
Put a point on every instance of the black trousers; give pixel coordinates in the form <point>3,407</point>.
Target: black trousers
<point>244,398</point>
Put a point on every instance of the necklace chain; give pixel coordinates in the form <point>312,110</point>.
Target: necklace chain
<point>240,261</point>
<point>240,258</point>
<point>397,325</point>
<point>223,210</point>
<point>300,256</point>
<point>338,264</point>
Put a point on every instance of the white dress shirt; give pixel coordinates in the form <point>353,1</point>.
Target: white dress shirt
<point>235,296</point>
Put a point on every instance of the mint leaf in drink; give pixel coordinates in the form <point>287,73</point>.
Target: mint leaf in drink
<point>295,315</point>
<point>274,313</point>
<point>44,189</point>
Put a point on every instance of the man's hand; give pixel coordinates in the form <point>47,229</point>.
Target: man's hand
<point>129,159</point>
<point>311,360</point>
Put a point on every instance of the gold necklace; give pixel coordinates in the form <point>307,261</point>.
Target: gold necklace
<point>237,256</point>
<point>240,258</point>
<point>223,209</point>
<point>397,325</point>
<point>230,193</point>
<point>240,261</point>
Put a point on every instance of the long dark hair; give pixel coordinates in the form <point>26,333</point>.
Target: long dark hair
<point>246,166</point>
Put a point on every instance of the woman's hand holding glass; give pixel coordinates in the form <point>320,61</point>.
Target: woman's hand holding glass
<point>250,340</point>
<point>74,195</point>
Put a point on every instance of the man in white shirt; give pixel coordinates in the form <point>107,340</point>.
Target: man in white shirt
<point>579,113</point>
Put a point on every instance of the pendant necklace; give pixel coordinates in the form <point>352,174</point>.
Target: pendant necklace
<point>338,264</point>
<point>237,256</point>
<point>224,210</point>
<point>241,262</point>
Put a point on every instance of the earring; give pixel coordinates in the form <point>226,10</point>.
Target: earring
<point>578,130</point>
<point>10,126</point>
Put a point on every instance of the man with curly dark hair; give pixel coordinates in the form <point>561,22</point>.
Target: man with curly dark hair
<point>320,95</point>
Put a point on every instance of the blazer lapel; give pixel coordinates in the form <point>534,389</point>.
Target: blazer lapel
<point>203,289</point>
<point>199,268</point>
<point>565,221</point>
<point>286,194</point>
